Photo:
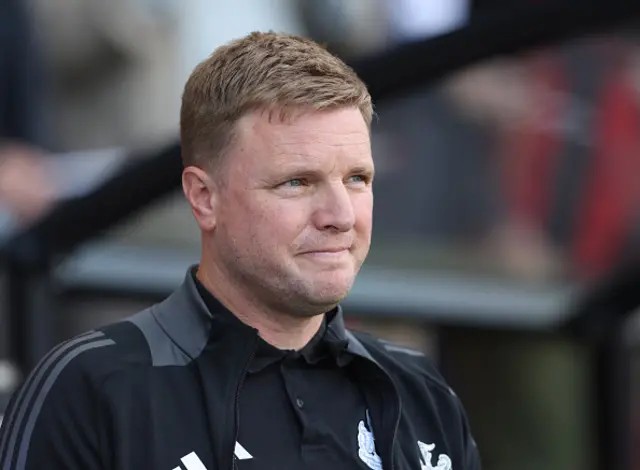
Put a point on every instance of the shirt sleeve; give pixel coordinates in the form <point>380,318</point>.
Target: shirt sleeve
<point>54,420</point>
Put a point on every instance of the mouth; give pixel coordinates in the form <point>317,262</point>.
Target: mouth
<point>328,255</point>
<point>328,251</point>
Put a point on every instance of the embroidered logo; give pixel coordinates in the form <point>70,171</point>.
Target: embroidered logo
<point>444,462</point>
<point>367,445</point>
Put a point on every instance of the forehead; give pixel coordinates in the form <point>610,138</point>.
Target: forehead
<point>308,136</point>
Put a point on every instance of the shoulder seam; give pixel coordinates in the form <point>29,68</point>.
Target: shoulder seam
<point>435,381</point>
<point>441,385</point>
<point>393,347</point>
<point>31,396</point>
<point>151,311</point>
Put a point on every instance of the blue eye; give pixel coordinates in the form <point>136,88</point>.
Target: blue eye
<point>294,183</point>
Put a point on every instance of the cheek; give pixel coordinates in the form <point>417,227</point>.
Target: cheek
<point>279,224</point>
<point>363,208</point>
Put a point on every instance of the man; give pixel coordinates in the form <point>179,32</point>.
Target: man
<point>248,364</point>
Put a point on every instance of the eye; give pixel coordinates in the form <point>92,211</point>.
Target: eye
<point>294,183</point>
<point>358,179</point>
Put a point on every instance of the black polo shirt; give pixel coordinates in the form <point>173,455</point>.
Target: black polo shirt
<point>300,409</point>
<point>164,390</point>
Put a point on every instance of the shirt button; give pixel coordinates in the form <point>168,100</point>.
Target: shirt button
<point>299,402</point>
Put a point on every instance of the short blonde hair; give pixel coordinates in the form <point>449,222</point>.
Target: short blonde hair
<point>261,71</point>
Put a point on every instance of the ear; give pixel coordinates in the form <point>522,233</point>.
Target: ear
<point>200,190</point>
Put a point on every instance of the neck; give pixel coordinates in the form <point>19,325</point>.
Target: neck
<point>279,329</point>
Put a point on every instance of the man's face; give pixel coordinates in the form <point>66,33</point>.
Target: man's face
<point>293,220</point>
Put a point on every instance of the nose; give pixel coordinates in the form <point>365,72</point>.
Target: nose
<point>335,209</point>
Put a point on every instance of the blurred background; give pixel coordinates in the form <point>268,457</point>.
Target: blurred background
<point>507,218</point>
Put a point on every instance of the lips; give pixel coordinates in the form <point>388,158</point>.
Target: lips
<point>327,250</point>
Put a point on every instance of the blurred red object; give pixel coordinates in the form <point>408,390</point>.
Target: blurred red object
<point>605,212</point>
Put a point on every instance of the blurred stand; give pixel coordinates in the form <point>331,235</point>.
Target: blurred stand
<point>25,190</point>
<point>351,29</point>
<point>24,125</point>
<point>364,28</point>
<point>113,68</point>
<point>412,20</point>
<point>9,379</point>
<point>29,294</point>
<point>32,184</point>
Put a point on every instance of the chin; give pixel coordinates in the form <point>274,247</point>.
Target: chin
<point>322,289</point>
<point>330,293</point>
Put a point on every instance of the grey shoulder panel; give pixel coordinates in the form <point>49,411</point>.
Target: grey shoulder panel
<point>164,351</point>
<point>397,348</point>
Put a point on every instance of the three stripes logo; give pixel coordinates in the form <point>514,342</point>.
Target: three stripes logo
<point>241,453</point>
<point>193,462</point>
<point>21,419</point>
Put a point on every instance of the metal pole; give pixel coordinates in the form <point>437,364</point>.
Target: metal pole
<point>31,313</point>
